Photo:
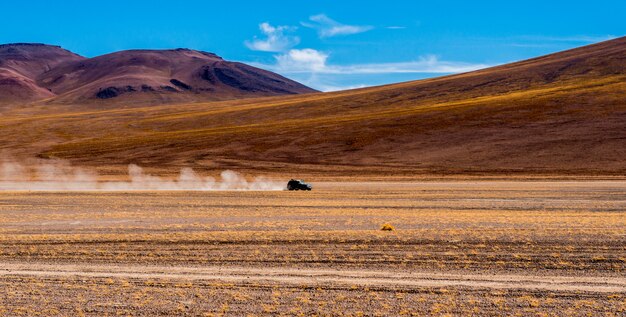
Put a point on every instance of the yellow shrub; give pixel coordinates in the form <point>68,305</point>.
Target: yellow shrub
<point>387,227</point>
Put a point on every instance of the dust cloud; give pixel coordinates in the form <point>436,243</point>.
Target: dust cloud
<point>58,175</point>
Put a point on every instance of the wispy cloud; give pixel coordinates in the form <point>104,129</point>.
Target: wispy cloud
<point>313,61</point>
<point>327,27</point>
<point>275,39</point>
<point>395,27</point>
<point>571,39</point>
<point>323,84</point>
<point>541,41</point>
<point>327,83</point>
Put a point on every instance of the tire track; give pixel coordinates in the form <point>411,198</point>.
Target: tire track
<point>322,277</point>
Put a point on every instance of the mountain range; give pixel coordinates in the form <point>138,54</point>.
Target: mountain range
<point>36,72</point>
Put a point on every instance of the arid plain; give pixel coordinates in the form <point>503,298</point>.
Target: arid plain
<point>474,247</point>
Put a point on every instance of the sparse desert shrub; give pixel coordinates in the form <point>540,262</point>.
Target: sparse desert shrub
<point>387,227</point>
<point>598,259</point>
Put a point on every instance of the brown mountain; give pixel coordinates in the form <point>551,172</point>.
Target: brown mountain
<point>33,72</point>
<point>163,76</point>
<point>21,64</point>
<point>563,113</point>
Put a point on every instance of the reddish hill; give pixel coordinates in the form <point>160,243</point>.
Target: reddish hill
<point>21,64</point>
<point>30,72</point>
<point>163,76</point>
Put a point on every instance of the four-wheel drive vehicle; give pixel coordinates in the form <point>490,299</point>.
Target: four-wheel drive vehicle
<point>296,184</point>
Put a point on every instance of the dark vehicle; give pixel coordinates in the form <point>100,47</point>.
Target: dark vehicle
<point>296,184</point>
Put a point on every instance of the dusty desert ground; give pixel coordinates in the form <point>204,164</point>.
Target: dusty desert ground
<point>482,248</point>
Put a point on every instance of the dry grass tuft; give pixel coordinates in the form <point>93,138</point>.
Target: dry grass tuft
<point>387,227</point>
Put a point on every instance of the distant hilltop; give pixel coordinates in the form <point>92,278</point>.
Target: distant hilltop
<point>32,72</point>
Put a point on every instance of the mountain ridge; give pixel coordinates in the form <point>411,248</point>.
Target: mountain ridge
<point>37,72</point>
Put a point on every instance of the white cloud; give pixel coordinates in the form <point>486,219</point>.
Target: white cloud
<point>312,68</point>
<point>327,27</point>
<point>424,64</point>
<point>327,83</point>
<point>304,60</point>
<point>312,61</point>
<point>275,40</point>
<point>395,27</point>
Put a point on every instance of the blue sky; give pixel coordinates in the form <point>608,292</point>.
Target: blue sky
<point>328,45</point>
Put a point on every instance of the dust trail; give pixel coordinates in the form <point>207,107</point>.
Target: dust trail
<point>58,175</point>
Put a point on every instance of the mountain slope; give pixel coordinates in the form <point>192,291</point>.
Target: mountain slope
<point>21,64</point>
<point>563,113</point>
